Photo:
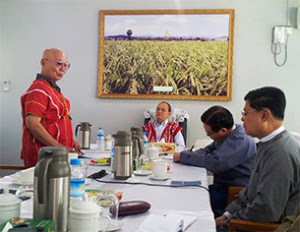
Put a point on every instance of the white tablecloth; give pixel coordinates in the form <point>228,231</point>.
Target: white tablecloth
<point>163,200</point>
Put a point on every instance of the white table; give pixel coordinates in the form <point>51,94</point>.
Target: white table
<point>190,200</point>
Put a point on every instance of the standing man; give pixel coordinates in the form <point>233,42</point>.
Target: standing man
<point>163,130</point>
<point>229,157</point>
<point>273,190</point>
<point>45,111</point>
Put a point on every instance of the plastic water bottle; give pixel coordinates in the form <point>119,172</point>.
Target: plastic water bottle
<point>78,174</point>
<point>100,139</point>
<point>112,162</point>
<point>145,142</point>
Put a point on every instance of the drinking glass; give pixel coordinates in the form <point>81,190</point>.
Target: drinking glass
<point>110,204</point>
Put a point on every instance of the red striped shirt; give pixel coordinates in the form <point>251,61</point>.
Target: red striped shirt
<point>44,101</point>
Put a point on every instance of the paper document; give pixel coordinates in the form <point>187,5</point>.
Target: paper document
<point>201,143</point>
<point>171,222</point>
<point>95,154</point>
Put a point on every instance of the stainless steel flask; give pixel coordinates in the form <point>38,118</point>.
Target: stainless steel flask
<point>52,187</point>
<point>137,145</point>
<point>84,134</point>
<point>123,155</point>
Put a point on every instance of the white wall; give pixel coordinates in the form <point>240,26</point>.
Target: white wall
<point>28,27</point>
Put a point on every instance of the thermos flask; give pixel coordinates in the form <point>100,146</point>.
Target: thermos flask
<point>137,145</point>
<point>123,155</point>
<point>52,187</point>
<point>84,134</point>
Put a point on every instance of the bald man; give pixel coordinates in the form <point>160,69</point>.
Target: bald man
<point>45,111</point>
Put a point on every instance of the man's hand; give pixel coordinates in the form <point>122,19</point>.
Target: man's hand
<point>77,147</point>
<point>176,157</point>
<point>221,221</point>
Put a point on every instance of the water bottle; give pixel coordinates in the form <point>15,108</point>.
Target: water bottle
<point>100,139</point>
<point>145,142</point>
<point>112,162</point>
<point>78,174</point>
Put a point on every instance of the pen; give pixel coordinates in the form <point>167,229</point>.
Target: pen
<point>192,148</point>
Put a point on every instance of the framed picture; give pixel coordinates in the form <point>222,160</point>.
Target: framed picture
<point>166,54</point>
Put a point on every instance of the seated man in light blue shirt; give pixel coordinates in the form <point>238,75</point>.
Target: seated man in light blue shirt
<point>161,130</point>
<point>230,156</point>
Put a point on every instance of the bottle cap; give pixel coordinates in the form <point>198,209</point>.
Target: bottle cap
<point>144,133</point>
<point>75,161</point>
<point>100,128</point>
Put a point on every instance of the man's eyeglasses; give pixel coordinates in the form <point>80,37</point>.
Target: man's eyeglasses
<point>244,113</point>
<point>61,64</point>
<point>162,109</point>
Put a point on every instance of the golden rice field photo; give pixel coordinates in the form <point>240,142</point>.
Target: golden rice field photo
<point>161,62</point>
<point>190,68</point>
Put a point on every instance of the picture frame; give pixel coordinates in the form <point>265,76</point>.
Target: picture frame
<point>166,54</point>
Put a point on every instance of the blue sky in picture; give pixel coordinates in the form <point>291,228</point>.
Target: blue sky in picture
<point>203,25</point>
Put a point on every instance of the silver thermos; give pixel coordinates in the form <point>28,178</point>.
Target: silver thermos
<point>123,155</point>
<point>84,134</point>
<point>137,146</point>
<point>52,187</point>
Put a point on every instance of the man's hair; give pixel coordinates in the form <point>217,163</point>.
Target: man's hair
<point>169,106</point>
<point>217,117</point>
<point>268,97</point>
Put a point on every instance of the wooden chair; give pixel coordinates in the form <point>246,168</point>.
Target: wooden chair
<point>233,193</point>
<point>244,225</point>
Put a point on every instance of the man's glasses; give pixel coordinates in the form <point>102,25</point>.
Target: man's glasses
<point>61,64</point>
<point>162,109</point>
<point>244,113</point>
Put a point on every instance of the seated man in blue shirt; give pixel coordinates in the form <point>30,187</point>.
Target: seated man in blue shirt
<point>229,156</point>
<point>163,130</point>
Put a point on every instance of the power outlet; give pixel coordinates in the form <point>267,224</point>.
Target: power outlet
<point>279,34</point>
<point>6,86</point>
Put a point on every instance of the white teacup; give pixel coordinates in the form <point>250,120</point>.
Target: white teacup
<point>85,216</point>
<point>153,152</point>
<point>159,168</point>
<point>26,176</point>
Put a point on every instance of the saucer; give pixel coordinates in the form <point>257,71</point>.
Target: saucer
<point>115,225</point>
<point>152,177</point>
<point>142,172</point>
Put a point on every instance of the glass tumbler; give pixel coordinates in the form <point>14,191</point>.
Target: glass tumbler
<point>110,204</point>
